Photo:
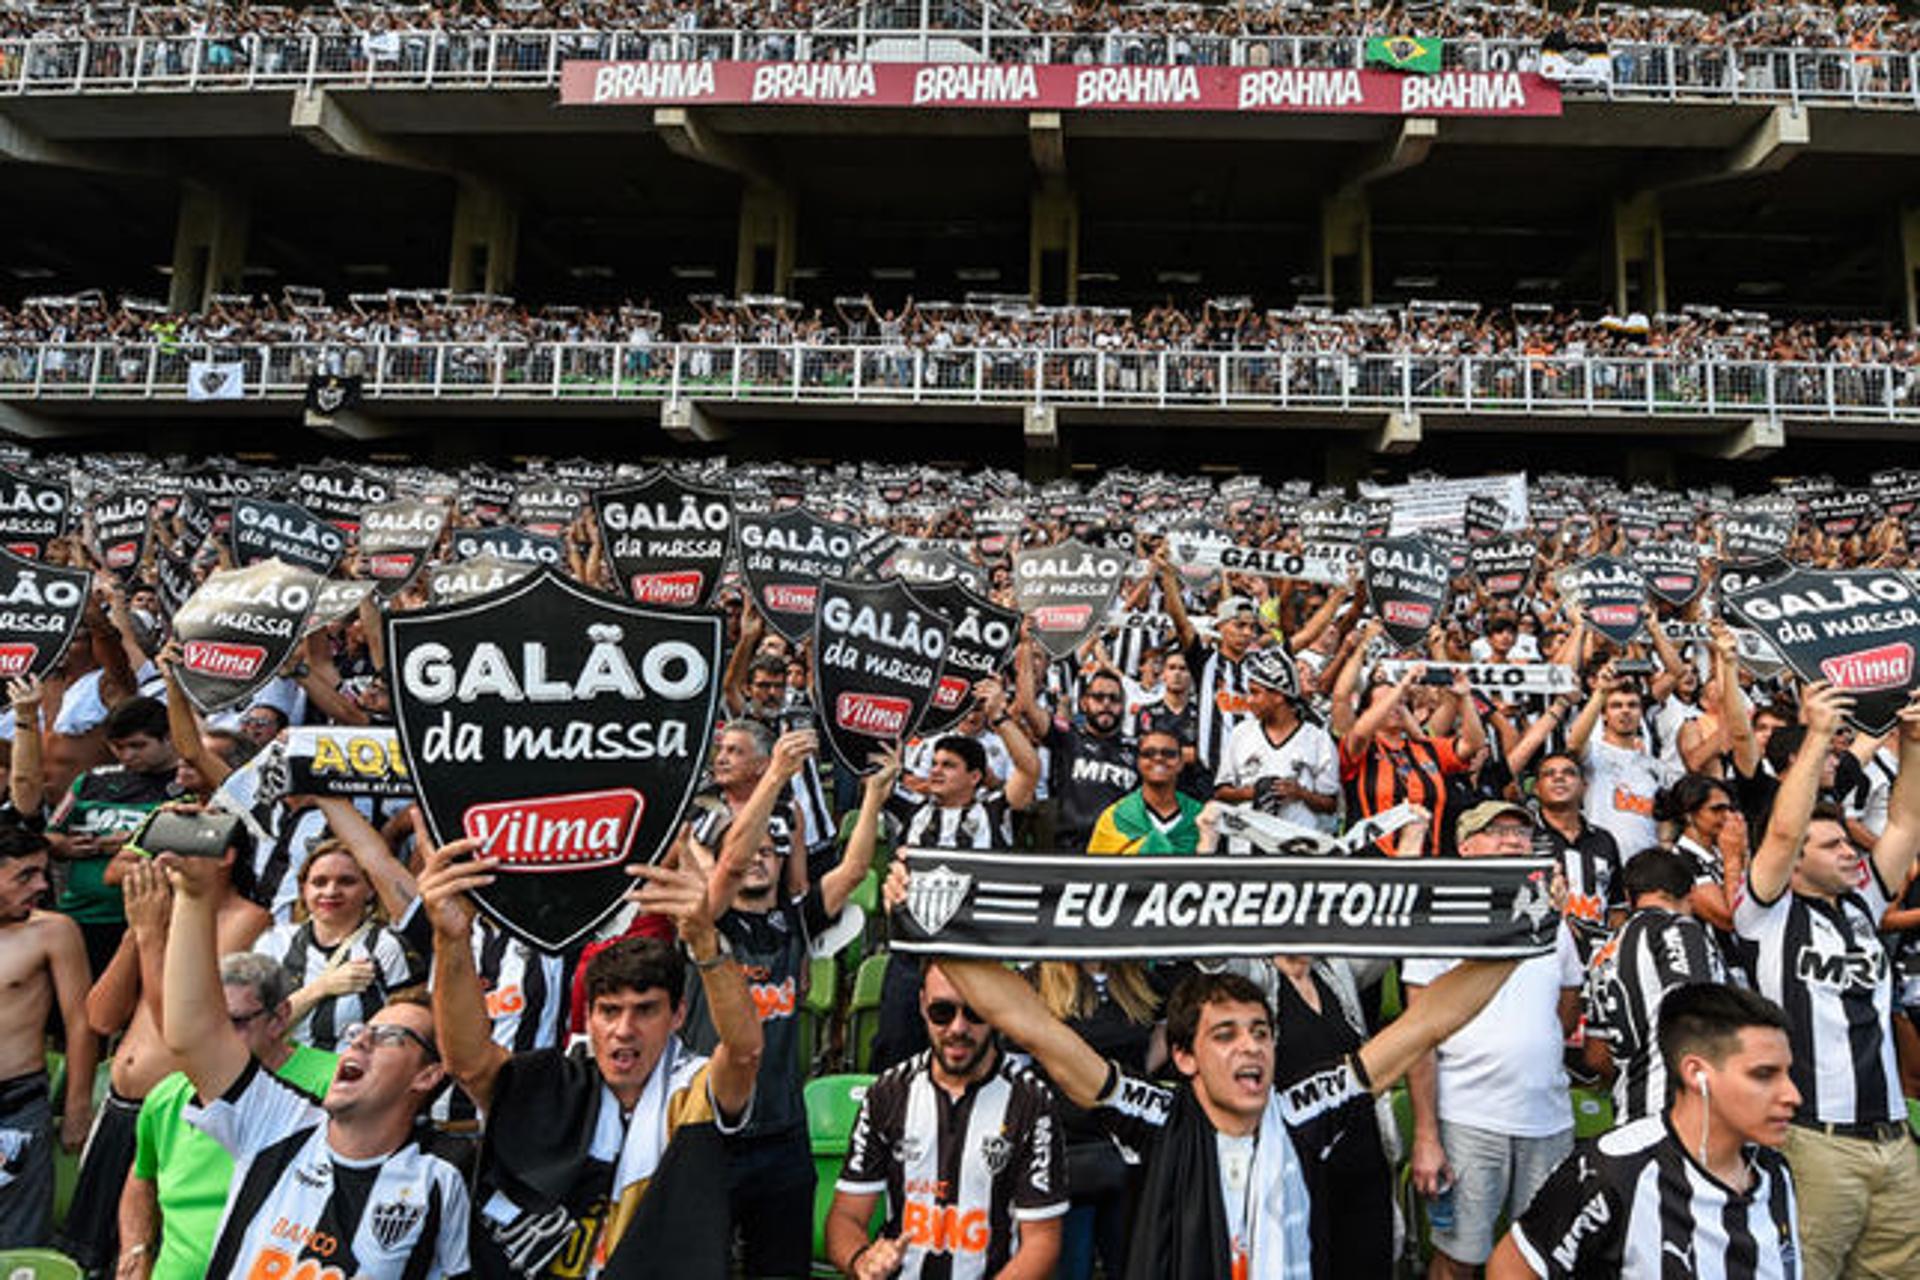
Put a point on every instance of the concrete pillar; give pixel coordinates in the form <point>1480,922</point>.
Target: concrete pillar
<point>1346,248</point>
<point>766,244</point>
<point>1910,264</point>
<point>1639,257</point>
<point>486,239</point>
<point>209,245</point>
<point>1053,244</point>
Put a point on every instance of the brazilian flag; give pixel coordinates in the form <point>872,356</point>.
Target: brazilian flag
<point>1404,53</point>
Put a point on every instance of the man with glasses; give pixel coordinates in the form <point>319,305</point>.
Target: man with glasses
<point>261,723</point>
<point>1093,763</point>
<point>1490,1113</point>
<point>171,1207</point>
<point>342,1185</point>
<point>967,1150</point>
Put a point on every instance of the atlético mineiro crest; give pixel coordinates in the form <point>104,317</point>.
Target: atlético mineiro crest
<point>933,897</point>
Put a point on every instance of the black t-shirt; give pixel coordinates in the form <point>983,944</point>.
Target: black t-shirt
<point>1089,773</point>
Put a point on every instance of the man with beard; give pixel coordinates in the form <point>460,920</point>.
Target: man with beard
<point>769,914</point>
<point>1093,764</point>
<point>43,963</point>
<point>968,1152</point>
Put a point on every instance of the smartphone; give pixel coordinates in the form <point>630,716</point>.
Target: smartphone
<point>190,835</point>
<point>1634,666</point>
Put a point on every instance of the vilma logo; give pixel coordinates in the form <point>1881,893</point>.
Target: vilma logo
<point>218,658</point>
<point>558,833</point>
<point>1887,666</point>
<point>681,589</point>
<point>933,897</point>
<point>17,659</point>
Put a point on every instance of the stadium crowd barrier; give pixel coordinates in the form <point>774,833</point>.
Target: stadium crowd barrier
<point>898,374</point>
<point>486,59</point>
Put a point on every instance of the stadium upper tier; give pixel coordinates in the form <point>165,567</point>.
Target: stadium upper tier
<point>1856,54</point>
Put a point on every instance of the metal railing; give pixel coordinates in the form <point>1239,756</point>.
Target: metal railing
<point>414,59</point>
<point>878,373</point>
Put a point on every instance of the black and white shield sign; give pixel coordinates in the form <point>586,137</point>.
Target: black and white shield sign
<point>122,520</point>
<point>1744,575</point>
<point>1067,589</point>
<point>1757,535</point>
<point>1407,581</point>
<point>509,543</point>
<point>1841,514</point>
<point>1486,518</point>
<point>882,653</point>
<point>482,575</point>
<point>486,492</point>
<point>173,574</point>
<point>786,556</point>
<point>263,530</point>
<point>1854,628</point>
<point>547,508</point>
<point>33,512</point>
<point>666,538</point>
<point>40,608</point>
<point>238,628</point>
<point>396,538</point>
<point>980,643</point>
<point>392,1222</point>
<point>927,566</point>
<point>1612,596</point>
<point>339,494</point>
<point>1504,566</point>
<point>336,599</point>
<point>561,727</point>
<point>1672,570</point>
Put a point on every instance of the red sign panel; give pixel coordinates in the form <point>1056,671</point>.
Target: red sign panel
<point>1017,86</point>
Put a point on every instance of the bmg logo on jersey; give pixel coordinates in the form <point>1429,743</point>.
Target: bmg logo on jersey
<point>1843,970</point>
<point>944,1228</point>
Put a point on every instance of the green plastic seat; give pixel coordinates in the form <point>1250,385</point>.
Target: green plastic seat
<point>38,1264</point>
<point>833,1105</point>
<point>1592,1112</point>
<point>1913,1117</point>
<point>1391,1001</point>
<point>816,1011</point>
<point>863,1010</point>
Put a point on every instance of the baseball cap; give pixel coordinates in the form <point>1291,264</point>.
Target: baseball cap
<point>1235,607</point>
<point>1484,814</point>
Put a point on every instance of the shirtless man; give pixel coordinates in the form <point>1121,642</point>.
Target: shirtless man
<point>127,997</point>
<point>42,958</point>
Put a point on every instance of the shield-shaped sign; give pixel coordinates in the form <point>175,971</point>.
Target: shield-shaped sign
<point>1897,491</point>
<point>238,628</point>
<point>216,485</point>
<point>173,574</point>
<point>1638,519</point>
<point>1841,514</point>
<point>395,540</point>
<point>122,520</point>
<point>927,566</point>
<point>563,728</point>
<point>1744,575</point>
<point>1486,517</point>
<point>1612,596</point>
<point>486,493</point>
<point>33,512</point>
<point>666,538</point>
<point>1407,580</point>
<point>882,653</point>
<point>1672,570</point>
<point>334,599</point>
<point>1504,566</point>
<point>1754,535</point>
<point>339,494</point>
<point>40,608</point>
<point>1855,628</point>
<point>980,644</point>
<point>547,508</point>
<point>263,530</point>
<point>1067,589</point>
<point>482,575</point>
<point>509,543</point>
<point>785,556</point>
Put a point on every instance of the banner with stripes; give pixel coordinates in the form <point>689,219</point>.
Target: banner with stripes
<point>1021,906</point>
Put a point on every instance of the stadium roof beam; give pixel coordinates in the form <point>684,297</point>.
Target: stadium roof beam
<point>23,145</point>
<point>353,425</point>
<point>1399,433</point>
<point>687,133</point>
<point>319,117</point>
<point>1047,139</point>
<point>689,423</point>
<point>1346,218</point>
<point>1772,144</point>
<point>1406,148</point>
<point>1750,443</point>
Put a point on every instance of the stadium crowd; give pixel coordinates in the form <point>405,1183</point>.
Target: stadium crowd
<point>320,1055</point>
<point>1178,32</point>
<point>998,322</point>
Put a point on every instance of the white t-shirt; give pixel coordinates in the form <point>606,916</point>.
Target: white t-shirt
<point>1621,784</point>
<point>1236,1174</point>
<point>1306,756</point>
<point>1504,1071</point>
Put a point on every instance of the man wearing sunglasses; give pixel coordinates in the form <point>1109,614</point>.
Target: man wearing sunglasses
<point>342,1184</point>
<point>968,1152</point>
<point>1093,765</point>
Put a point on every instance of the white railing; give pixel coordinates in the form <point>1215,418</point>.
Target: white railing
<point>877,373</point>
<point>532,59</point>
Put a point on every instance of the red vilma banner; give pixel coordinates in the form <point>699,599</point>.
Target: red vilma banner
<point>987,86</point>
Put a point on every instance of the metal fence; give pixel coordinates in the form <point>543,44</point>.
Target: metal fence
<point>877,373</point>
<point>416,59</point>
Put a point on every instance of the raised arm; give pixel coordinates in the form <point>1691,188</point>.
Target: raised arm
<point>1583,724</point>
<point>392,882</point>
<point>1893,852</point>
<point>1171,597</point>
<point>183,722</point>
<point>1771,870</point>
<point>1013,734</point>
<point>26,769</point>
<point>460,1022</point>
<point>857,859</point>
<point>196,1027</point>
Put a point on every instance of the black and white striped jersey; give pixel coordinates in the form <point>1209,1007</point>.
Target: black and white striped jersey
<point>985,823</point>
<point>960,1174</point>
<point>1220,691</point>
<point>1655,951</point>
<point>401,1216</point>
<point>277,860</point>
<point>1823,962</point>
<point>395,965</point>
<point>1634,1204</point>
